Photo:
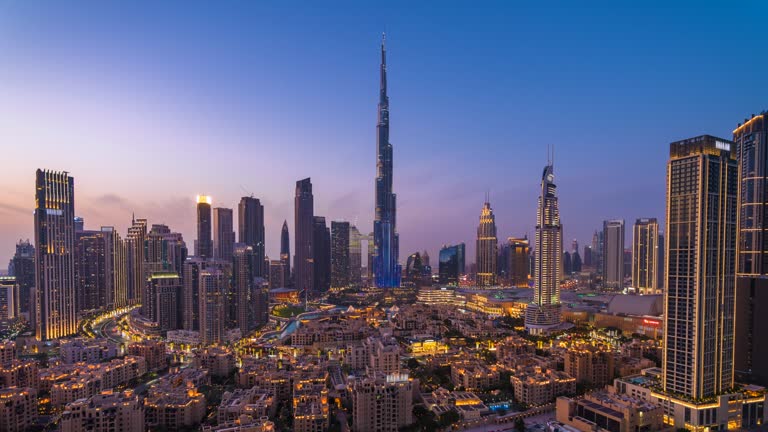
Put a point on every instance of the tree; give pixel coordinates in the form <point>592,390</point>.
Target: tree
<point>412,363</point>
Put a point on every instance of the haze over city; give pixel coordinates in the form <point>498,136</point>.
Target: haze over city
<point>149,107</point>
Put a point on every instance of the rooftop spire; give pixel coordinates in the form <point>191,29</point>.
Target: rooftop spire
<point>383,85</point>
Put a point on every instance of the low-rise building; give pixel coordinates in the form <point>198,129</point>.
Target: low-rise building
<point>153,352</point>
<point>86,380</point>
<point>474,375</point>
<point>590,363</point>
<point>82,350</point>
<point>254,403</point>
<point>218,361</point>
<point>535,386</point>
<point>467,404</point>
<point>243,424</point>
<point>19,373</point>
<point>175,401</point>
<point>107,411</point>
<point>609,412</point>
<point>382,402</point>
<point>18,409</point>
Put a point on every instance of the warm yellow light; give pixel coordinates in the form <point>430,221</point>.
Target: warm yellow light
<point>204,199</point>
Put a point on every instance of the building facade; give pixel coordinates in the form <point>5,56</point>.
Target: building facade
<point>385,237</point>
<point>487,243</point>
<point>701,264</point>
<point>321,254</point>
<point>204,243</point>
<point>223,233</point>
<point>645,256</point>
<point>451,265</point>
<point>340,254</point>
<point>543,314</point>
<point>304,221</point>
<point>55,311</point>
<point>613,254</point>
<point>250,222</point>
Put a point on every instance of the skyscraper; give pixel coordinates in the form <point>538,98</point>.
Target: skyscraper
<point>321,253</point>
<point>597,251</point>
<point>54,255</point>
<point>9,298</point>
<point>701,263</point>
<point>304,221</point>
<point>543,314</point>
<point>117,269</point>
<point>487,243</point>
<point>645,256</point>
<point>613,254</point>
<point>213,287</point>
<point>204,244</point>
<point>355,257</point>
<point>243,287</point>
<point>517,268</point>
<point>751,139</point>
<point>250,220</point>
<point>136,258</point>
<point>161,300</point>
<point>166,251</point>
<point>451,265</point>
<point>385,237</point>
<point>339,254</point>
<point>285,252</point>
<point>92,277</point>
<point>223,233</point>
<point>24,270</point>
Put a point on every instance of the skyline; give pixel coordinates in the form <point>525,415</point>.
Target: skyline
<point>113,103</point>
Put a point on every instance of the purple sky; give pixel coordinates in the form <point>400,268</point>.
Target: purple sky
<point>148,105</point>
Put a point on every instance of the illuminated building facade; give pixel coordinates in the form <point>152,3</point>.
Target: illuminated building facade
<point>751,140</point>
<point>242,272</point>
<point>517,266</point>
<point>204,244</point>
<point>645,256</point>
<point>223,233</point>
<point>9,298</point>
<point>92,276</point>
<point>613,254</point>
<point>54,255</point>
<point>136,257</point>
<point>250,222</point>
<point>487,243</point>
<point>382,403</point>
<point>701,264</point>
<point>385,237</point>
<point>543,314</point>
<point>355,256</point>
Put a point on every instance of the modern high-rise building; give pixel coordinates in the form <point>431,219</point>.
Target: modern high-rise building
<point>751,140</point>
<point>277,274</point>
<point>701,264</point>
<point>165,251</point>
<point>587,260</point>
<point>567,267</point>
<point>136,259</point>
<point>304,222</point>
<point>487,243</point>
<point>597,251</point>
<point>55,311</point>
<point>645,256</point>
<point>161,300</point>
<point>191,302</point>
<point>451,265</point>
<point>517,268</point>
<point>23,262</point>
<point>213,285</point>
<point>92,277</point>
<point>385,237</point>
<point>223,233</point>
<point>355,257</point>
<point>250,220</point>
<point>543,314</point>
<point>9,298</point>
<point>339,254</point>
<point>204,243</point>
<point>285,251</point>
<point>117,269</point>
<point>321,252</point>
<point>243,287</point>
<point>613,254</point>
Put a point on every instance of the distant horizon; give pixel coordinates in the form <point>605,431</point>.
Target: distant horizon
<point>248,98</point>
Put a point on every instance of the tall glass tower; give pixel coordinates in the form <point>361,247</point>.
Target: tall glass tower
<point>543,314</point>
<point>487,243</point>
<point>385,238</point>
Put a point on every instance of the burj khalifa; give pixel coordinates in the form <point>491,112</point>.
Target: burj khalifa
<point>386,272</point>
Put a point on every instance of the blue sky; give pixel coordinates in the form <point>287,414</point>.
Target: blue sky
<point>149,103</point>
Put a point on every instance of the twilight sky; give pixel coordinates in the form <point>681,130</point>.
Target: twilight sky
<point>147,104</point>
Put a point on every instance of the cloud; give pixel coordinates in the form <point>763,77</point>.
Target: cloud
<point>10,208</point>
